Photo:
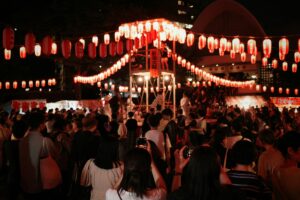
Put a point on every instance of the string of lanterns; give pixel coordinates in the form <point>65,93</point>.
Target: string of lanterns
<point>28,84</point>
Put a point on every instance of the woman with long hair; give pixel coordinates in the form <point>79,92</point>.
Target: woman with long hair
<point>139,169</point>
<point>105,171</point>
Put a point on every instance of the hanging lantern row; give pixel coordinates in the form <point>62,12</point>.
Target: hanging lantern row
<point>28,84</point>
<point>212,78</point>
<point>103,75</point>
<point>272,89</point>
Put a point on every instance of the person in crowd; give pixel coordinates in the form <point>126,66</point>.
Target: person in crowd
<point>201,122</point>
<point>5,134</point>
<point>30,148</point>
<point>131,125</point>
<point>286,178</point>
<point>105,171</point>
<point>185,104</point>
<point>200,177</point>
<point>158,101</point>
<point>139,168</point>
<point>243,176</point>
<point>271,158</point>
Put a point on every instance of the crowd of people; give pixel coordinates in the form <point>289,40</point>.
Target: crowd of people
<point>241,154</point>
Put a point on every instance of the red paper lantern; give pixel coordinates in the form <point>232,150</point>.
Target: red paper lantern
<point>242,48</point>
<point>92,50</point>
<point>257,87</point>
<point>106,38</point>
<point>201,42</point>
<point>23,84</point>
<point>264,61</point>
<point>7,54</point>
<point>179,59</point>
<point>280,90</point>
<point>223,42</point>
<point>243,57</point>
<point>15,84</point>
<point>264,88</point>
<point>8,38</point>
<point>120,48</point>
<point>117,36</point>
<point>0,85</point>
<point>7,85</point>
<point>294,67</point>
<point>287,91</point>
<point>102,50</point>
<point>221,53</point>
<point>236,45</point>
<point>33,104</point>
<point>232,54</point>
<point>95,40</point>
<point>296,91</point>
<point>253,59</point>
<point>53,48</point>
<point>299,45</point>
<point>137,43</point>
<point>297,56</point>
<point>188,65</point>
<point>112,49</point>
<point>284,46</point>
<point>129,45</point>
<point>37,83</point>
<point>228,46</point>
<point>43,83</point>
<point>47,45</point>
<point>211,44</point>
<point>22,52</point>
<point>272,89</point>
<point>281,56</point>
<point>190,39</point>
<point>251,44</point>
<point>66,47</point>
<point>29,43</point>
<point>183,62</point>
<point>79,51</point>
<point>267,47</point>
<point>284,66</point>
<point>143,40</point>
<point>274,63</point>
<point>216,43</point>
<point>30,84</point>
<point>37,50</point>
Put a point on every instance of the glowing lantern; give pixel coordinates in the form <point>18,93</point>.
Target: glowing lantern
<point>178,85</point>
<point>264,88</point>
<point>37,50</point>
<point>112,49</point>
<point>216,43</point>
<point>112,87</point>
<point>82,41</point>
<point>139,89</point>
<point>297,56</point>
<point>284,66</point>
<point>148,26</point>
<point>287,91</point>
<point>152,89</point>
<point>106,38</point>
<point>284,46</point>
<point>30,84</point>
<point>47,45</point>
<point>232,54</point>
<point>120,48</point>
<point>7,54</point>
<point>29,43</point>
<point>140,28</point>
<point>102,50</point>
<point>123,62</point>
<point>66,47</point>
<point>92,50</point>
<point>253,59</point>
<point>267,47</point>
<point>201,42</point>
<point>37,83</point>
<point>79,51</point>
<point>223,42</point>
<point>133,32</point>
<point>221,53</point>
<point>296,91</point>
<point>281,56</point>
<point>272,89</point>
<point>169,87</point>
<point>251,44</point>
<point>43,83</point>
<point>137,43</point>
<point>257,87</point>
<point>126,31</point>
<point>95,40</point>
<point>105,86</point>
<point>15,84</point>
<point>192,68</point>
<point>274,63</point>
<point>0,85</point>
<point>129,45</point>
<point>243,57</point>
<point>183,62</point>
<point>8,38</point>
<point>188,65</point>
<point>7,85</point>
<point>179,59</point>
<point>53,81</point>
<point>98,84</point>
<point>264,61</point>
<point>236,45</point>
<point>190,39</point>
<point>242,48</point>
<point>294,67</point>
<point>228,46</point>
<point>211,44</point>
<point>53,48</point>
<point>126,58</point>
<point>22,52</point>
<point>49,82</point>
<point>162,36</point>
<point>280,90</point>
<point>23,84</point>
<point>117,36</point>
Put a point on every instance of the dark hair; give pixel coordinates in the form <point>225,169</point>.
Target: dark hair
<point>108,153</point>
<point>137,172</point>
<point>89,121</point>
<point>153,121</point>
<point>290,139</point>
<point>130,114</point>
<point>266,136</point>
<point>167,112</point>
<point>244,152</point>
<point>3,117</point>
<point>201,178</point>
<point>35,119</point>
<point>19,129</point>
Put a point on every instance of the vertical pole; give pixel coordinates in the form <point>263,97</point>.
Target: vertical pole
<point>164,93</point>
<point>130,82</point>
<point>174,77</point>
<point>147,93</point>
<point>147,67</point>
